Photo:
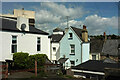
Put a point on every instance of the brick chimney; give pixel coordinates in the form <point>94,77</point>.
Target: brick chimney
<point>84,34</point>
<point>105,37</point>
<point>84,27</point>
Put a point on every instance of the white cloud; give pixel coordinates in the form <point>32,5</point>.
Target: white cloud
<point>72,23</point>
<point>44,16</point>
<point>51,15</point>
<point>55,13</point>
<point>62,10</point>
<point>98,25</point>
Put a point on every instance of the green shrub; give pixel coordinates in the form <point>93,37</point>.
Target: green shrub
<point>40,58</point>
<point>24,61</point>
<point>20,60</point>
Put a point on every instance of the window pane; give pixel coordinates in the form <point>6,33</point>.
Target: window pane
<point>14,39</point>
<point>72,49</point>
<point>70,36</point>
<point>38,47</point>
<point>54,48</point>
<point>38,40</point>
<point>38,44</point>
<point>93,57</point>
<point>72,63</point>
<point>14,48</point>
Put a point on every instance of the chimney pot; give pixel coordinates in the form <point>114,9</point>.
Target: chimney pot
<point>84,27</point>
<point>22,8</point>
<point>104,34</point>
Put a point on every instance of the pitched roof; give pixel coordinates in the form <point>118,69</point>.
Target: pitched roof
<point>110,47</point>
<point>95,65</point>
<point>62,60</point>
<point>96,45</point>
<point>56,37</point>
<point>10,25</point>
<point>57,30</point>
<point>108,60</point>
<point>78,32</point>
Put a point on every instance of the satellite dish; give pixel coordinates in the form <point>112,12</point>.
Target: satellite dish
<point>23,26</point>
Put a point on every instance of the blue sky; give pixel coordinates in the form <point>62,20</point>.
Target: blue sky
<point>97,16</point>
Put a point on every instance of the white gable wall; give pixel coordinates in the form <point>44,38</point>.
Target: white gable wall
<point>25,43</point>
<point>57,52</point>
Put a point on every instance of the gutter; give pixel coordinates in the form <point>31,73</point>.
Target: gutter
<point>90,72</point>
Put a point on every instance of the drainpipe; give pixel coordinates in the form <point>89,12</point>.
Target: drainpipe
<point>50,50</point>
<point>81,53</point>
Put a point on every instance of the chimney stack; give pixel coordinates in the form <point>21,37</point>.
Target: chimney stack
<point>84,34</point>
<point>105,37</point>
<point>84,27</point>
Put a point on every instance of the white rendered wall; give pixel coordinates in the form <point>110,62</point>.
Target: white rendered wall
<point>55,53</point>
<point>0,46</point>
<point>85,52</point>
<point>25,43</point>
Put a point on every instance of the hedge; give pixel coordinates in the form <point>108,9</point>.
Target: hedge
<point>25,61</point>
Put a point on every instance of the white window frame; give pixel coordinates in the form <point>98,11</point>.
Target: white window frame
<point>72,49</point>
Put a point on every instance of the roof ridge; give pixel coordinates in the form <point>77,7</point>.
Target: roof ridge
<point>8,18</point>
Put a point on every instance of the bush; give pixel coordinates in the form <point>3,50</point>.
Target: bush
<point>20,60</point>
<point>24,61</point>
<point>41,58</point>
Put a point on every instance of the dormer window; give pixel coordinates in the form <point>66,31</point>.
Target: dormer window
<point>70,36</point>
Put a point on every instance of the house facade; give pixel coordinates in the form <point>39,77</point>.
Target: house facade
<point>110,48</point>
<point>20,35</point>
<point>100,49</point>
<point>54,43</point>
<point>96,46</point>
<point>75,46</point>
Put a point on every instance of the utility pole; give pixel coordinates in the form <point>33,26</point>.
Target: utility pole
<point>67,21</point>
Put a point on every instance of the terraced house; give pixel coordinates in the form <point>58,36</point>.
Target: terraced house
<point>19,34</point>
<point>75,45</point>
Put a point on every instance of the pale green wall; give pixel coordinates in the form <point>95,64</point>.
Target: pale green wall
<point>65,47</point>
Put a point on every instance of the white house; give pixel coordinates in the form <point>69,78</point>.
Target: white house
<point>18,34</point>
<point>65,63</point>
<point>54,45</point>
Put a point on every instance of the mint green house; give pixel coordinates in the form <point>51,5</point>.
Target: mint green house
<point>75,45</point>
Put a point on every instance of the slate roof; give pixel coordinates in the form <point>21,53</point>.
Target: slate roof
<point>110,47</point>
<point>78,32</point>
<point>10,25</point>
<point>62,60</point>
<point>96,45</point>
<point>95,65</point>
<point>57,30</point>
<point>56,37</point>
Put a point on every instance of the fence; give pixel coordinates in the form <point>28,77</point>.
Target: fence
<point>4,70</point>
<point>46,66</point>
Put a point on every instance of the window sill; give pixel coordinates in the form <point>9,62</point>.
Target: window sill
<point>72,54</point>
<point>70,38</point>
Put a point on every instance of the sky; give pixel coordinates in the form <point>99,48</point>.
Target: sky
<point>99,17</point>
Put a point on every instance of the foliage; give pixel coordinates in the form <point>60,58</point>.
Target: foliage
<point>59,73</point>
<point>40,60</point>
<point>24,61</point>
<point>113,36</point>
<point>20,60</point>
<point>68,76</point>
